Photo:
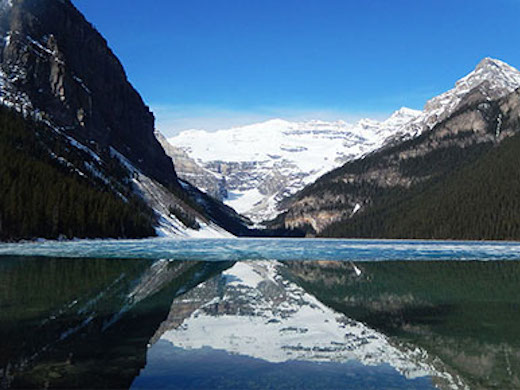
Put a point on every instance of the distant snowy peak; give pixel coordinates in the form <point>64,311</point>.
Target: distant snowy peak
<point>402,116</point>
<point>282,138</point>
<point>501,76</point>
<point>263,163</point>
<point>493,78</point>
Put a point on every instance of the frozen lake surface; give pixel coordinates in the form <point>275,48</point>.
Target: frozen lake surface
<point>238,249</point>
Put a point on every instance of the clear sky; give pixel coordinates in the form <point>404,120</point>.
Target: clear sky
<point>218,63</point>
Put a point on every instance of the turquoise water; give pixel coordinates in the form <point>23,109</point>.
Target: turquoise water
<point>271,249</point>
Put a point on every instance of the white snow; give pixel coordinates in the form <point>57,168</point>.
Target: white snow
<point>82,84</point>
<point>159,199</point>
<point>243,201</point>
<point>312,145</point>
<point>295,153</point>
<point>356,269</point>
<point>357,207</point>
<point>248,274</point>
<point>6,3</point>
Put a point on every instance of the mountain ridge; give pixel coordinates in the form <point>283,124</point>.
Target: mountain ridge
<point>400,191</point>
<point>261,164</point>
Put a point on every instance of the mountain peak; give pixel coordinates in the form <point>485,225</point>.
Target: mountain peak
<point>405,112</point>
<point>493,77</point>
<point>501,77</point>
<point>493,63</point>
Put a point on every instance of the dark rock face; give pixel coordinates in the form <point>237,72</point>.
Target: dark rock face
<point>57,67</point>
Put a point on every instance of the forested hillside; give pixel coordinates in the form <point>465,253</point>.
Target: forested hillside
<point>478,201</point>
<point>42,194</point>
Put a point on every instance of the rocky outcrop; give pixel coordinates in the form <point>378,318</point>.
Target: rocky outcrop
<point>188,169</point>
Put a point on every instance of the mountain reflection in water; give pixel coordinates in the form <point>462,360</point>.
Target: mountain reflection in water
<point>108,323</point>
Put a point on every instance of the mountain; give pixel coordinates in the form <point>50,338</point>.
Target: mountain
<point>89,154</point>
<point>57,67</point>
<point>259,165</point>
<point>456,180</point>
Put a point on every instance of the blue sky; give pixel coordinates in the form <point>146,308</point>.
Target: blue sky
<point>218,63</point>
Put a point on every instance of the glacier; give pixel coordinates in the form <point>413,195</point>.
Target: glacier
<point>263,163</point>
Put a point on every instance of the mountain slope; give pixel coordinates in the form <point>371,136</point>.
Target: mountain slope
<point>57,67</point>
<point>43,196</point>
<point>456,180</point>
<point>262,164</point>
<point>189,170</point>
<point>58,72</point>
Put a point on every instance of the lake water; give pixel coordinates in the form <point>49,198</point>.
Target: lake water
<point>255,314</point>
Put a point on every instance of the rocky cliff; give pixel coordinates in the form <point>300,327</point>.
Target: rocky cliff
<point>188,169</point>
<point>56,67</point>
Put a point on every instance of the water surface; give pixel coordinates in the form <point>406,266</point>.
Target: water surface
<point>238,249</point>
<point>247,322</point>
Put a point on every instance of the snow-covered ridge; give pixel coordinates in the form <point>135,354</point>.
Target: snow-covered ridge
<point>265,162</point>
<point>493,77</point>
<point>281,139</point>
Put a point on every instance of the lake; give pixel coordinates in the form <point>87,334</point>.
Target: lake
<point>260,314</point>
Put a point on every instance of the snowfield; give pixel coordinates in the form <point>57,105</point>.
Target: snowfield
<point>264,163</point>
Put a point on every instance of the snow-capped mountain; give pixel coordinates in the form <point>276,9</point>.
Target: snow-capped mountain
<point>252,309</point>
<point>262,164</point>
<point>212,183</point>
<point>458,129</point>
<point>493,79</point>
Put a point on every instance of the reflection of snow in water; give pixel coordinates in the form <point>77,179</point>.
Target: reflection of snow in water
<point>252,310</point>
